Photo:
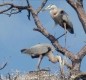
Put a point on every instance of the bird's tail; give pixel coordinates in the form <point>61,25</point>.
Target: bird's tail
<point>71,30</point>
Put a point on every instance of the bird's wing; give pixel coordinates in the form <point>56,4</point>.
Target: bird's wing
<point>66,19</point>
<point>65,16</point>
<point>35,51</point>
<point>38,50</point>
<point>42,48</point>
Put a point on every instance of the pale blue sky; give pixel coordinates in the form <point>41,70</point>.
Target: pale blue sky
<point>16,32</point>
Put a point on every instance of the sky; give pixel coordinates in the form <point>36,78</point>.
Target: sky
<point>16,33</point>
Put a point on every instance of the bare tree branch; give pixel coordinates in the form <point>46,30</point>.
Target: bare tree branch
<point>80,76</point>
<point>53,40</point>
<point>5,10</point>
<point>67,65</point>
<point>15,6</point>
<point>72,3</point>
<point>42,5</point>
<point>28,10</point>
<point>3,66</point>
<point>11,7</point>
<point>78,6</point>
<point>82,53</point>
<point>80,2</point>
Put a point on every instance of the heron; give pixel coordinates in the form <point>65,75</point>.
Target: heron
<point>60,17</point>
<point>41,50</point>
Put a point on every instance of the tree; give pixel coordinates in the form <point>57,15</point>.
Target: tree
<point>77,5</point>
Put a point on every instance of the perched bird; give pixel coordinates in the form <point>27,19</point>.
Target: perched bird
<point>60,17</point>
<point>41,50</point>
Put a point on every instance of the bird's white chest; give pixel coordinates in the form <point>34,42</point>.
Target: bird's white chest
<point>55,16</point>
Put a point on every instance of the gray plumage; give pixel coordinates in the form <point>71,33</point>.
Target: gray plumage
<point>37,50</point>
<point>60,17</point>
<point>41,50</point>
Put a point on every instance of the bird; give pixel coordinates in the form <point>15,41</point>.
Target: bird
<point>60,17</point>
<point>41,50</point>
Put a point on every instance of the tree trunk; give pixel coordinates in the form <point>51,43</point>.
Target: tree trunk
<point>78,6</point>
<point>82,16</point>
<point>75,68</point>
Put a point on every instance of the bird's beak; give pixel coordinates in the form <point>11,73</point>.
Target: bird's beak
<point>45,9</point>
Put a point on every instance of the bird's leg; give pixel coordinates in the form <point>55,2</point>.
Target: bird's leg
<point>39,62</point>
<point>65,33</point>
<point>61,36</point>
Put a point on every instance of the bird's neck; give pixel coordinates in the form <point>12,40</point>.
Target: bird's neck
<point>51,57</point>
<point>53,12</point>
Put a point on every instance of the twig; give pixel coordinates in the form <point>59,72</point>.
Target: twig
<point>28,10</point>
<point>3,66</point>
<point>80,2</point>
<point>78,7</point>
<point>82,53</point>
<point>81,76</point>
<point>42,5</point>
<point>12,8</point>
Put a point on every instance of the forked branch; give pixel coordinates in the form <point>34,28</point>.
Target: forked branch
<point>28,10</point>
<point>41,6</point>
<point>13,9</point>
<point>78,6</point>
<point>53,40</point>
<point>82,53</point>
<point>80,76</point>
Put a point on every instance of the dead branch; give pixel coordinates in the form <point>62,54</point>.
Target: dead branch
<point>80,2</point>
<point>78,6</point>
<point>80,76</point>
<point>69,66</point>
<point>1,12</point>
<point>14,9</point>
<point>42,5</point>
<point>82,53</point>
<point>3,66</point>
<point>53,40</point>
<point>28,10</point>
<point>39,26</point>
